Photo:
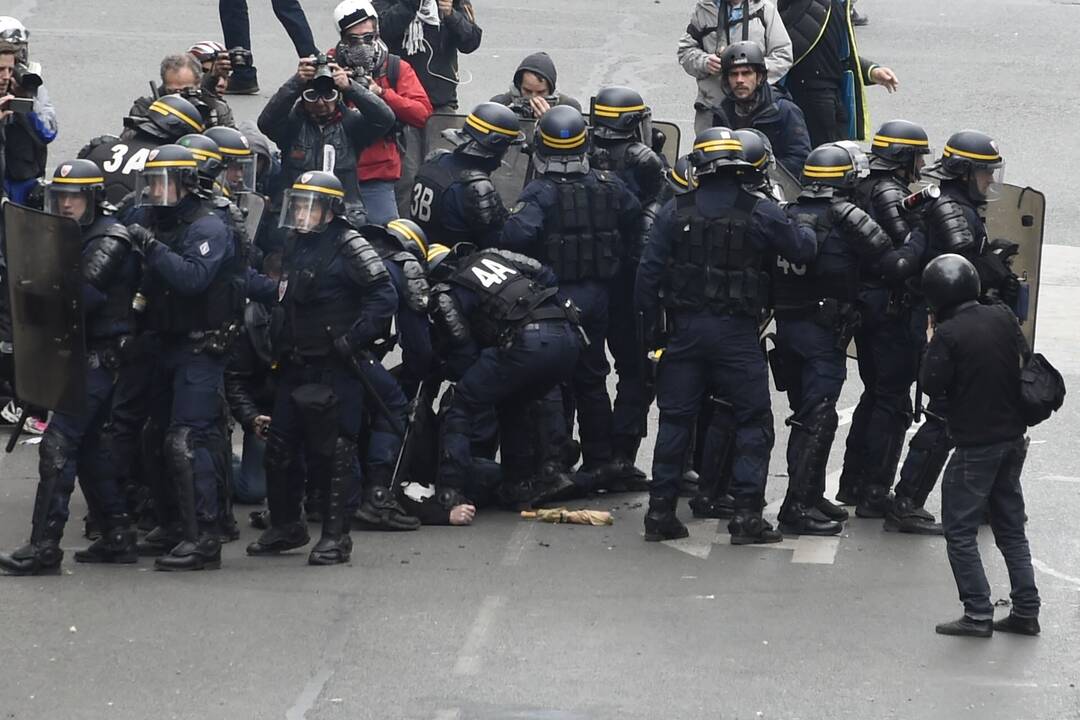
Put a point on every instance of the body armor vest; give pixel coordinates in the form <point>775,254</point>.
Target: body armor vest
<point>797,289</point>
<point>432,181</point>
<point>114,317</point>
<point>583,241</point>
<point>713,263</point>
<point>120,161</point>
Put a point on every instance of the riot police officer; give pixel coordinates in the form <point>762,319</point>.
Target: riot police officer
<point>579,221</point>
<point>170,117</point>
<point>453,197</point>
<point>706,265</point>
<point>971,170</point>
<point>886,342</point>
<point>72,444</point>
<point>621,131</point>
<point>192,296</point>
<point>336,298</point>
<point>239,165</point>
<point>508,341</point>
<point>817,315</point>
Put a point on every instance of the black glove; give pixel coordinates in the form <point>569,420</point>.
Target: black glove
<point>343,347</point>
<point>141,238</point>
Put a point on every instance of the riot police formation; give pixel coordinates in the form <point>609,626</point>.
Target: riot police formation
<point>377,371</point>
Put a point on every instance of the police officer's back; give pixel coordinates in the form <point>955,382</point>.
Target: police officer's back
<point>706,265</point>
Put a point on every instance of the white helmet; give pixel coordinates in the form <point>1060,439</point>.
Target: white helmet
<point>15,33</point>
<point>207,50</point>
<point>352,12</point>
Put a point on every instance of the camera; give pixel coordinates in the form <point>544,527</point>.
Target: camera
<point>239,57</point>
<point>323,81</point>
<point>28,76</point>
<point>522,106</point>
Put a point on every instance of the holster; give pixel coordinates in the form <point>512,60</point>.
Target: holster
<point>317,406</point>
<point>778,363</point>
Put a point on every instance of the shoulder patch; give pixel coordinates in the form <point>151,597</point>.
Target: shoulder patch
<point>518,208</point>
<point>204,249</point>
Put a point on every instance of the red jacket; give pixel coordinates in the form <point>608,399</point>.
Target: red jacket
<point>382,160</point>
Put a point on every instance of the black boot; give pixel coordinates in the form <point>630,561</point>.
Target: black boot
<point>967,627</point>
<point>115,546</point>
<point>832,510</point>
<point>689,484</point>
<point>382,511</point>
<point>619,476</point>
<point>41,556</point>
<point>203,554</point>
<point>848,495</point>
<point>246,83</point>
<point>280,538</point>
<point>722,507</point>
<point>1018,625</point>
<point>875,501</point>
<point>748,527</point>
<point>199,547</point>
<point>902,516</point>
<point>797,518</point>
<point>335,545</point>
<point>552,485</point>
<point>661,522</point>
<point>159,541</point>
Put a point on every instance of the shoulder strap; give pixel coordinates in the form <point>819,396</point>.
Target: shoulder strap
<point>393,70</point>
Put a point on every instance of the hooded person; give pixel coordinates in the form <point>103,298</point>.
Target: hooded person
<point>535,83</point>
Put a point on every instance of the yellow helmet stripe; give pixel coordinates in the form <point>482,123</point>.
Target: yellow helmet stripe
<point>323,190</point>
<point>761,161</point>
<point>973,156</point>
<point>407,232</point>
<point>827,168</point>
<point>230,151</point>
<point>563,143</point>
<point>204,154</point>
<point>487,127</point>
<point>885,140</point>
<point>617,110</point>
<point>170,163</point>
<point>163,109</point>
<point>78,181</point>
<point>679,178</point>
<point>436,252</point>
<point>822,174</point>
<point>710,145</point>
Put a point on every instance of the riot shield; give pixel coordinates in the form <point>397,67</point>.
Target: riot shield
<point>671,132</point>
<point>512,174</point>
<point>254,206</point>
<point>44,259</point>
<point>789,185</point>
<point>1018,216</point>
<point>119,160</point>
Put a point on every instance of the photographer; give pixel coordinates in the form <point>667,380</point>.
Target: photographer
<point>532,92</point>
<point>26,113</point>
<point>183,75</point>
<point>319,106</point>
<point>367,58</point>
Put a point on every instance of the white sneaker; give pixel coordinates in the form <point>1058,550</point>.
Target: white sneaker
<point>11,412</point>
<point>35,426</point>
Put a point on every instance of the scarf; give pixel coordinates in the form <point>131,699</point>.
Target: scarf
<point>428,14</point>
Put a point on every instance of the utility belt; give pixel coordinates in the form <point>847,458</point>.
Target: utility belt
<point>567,312</point>
<point>213,342</point>
<point>110,353</point>
<point>840,316</point>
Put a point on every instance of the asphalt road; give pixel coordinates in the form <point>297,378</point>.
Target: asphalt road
<point>514,620</point>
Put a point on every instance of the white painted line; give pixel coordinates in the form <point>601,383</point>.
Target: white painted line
<point>468,661</point>
<point>703,533</point>
<point>1062,478</point>
<point>515,546</point>
<point>333,651</point>
<point>1044,568</point>
<point>449,714</point>
<point>811,550</point>
<point>845,415</point>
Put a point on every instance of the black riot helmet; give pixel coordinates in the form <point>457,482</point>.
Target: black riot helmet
<point>834,166</point>
<point>440,262</point>
<point>489,131</point>
<point>949,280</point>
<point>560,144</point>
<point>680,176</point>
<point>207,155</point>
<point>174,117</point>
<point>899,145</point>
<point>76,191</point>
<point>620,113</point>
<point>715,149</point>
<point>411,236</point>
<point>759,153</point>
<point>973,157</point>
<point>314,200</point>
<point>746,53</point>
<point>169,174</point>
<point>240,163</point>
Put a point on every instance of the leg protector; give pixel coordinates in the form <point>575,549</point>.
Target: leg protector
<point>335,545</point>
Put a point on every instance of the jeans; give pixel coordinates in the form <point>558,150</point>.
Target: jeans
<point>250,476</point>
<point>236,25</point>
<point>976,478</point>
<point>379,201</point>
<point>826,116</point>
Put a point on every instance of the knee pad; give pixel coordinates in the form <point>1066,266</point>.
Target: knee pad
<point>56,449</point>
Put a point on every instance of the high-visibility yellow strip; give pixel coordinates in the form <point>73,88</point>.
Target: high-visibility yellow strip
<point>407,232</point>
<point>973,156</point>
<point>204,154</point>
<point>822,174</point>
<point>488,127</point>
<point>436,252</point>
<point>230,151</point>
<point>170,163</point>
<point>679,178</point>
<point>827,168</point>
<point>78,181</point>
<point>710,145</point>
<point>164,109</point>
<point>563,143</point>
<point>316,188</point>
<point>761,161</point>
<point>618,110</point>
<point>886,140</point>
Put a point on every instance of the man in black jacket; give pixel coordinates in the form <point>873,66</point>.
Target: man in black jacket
<point>974,360</point>
<point>532,92</point>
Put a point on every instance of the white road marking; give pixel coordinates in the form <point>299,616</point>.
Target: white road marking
<point>334,650</point>
<point>1044,568</point>
<point>1062,478</point>
<point>845,415</point>
<point>515,546</point>
<point>806,549</point>
<point>468,661</point>
<point>449,714</point>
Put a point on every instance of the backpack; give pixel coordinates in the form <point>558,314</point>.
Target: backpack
<point>1042,389</point>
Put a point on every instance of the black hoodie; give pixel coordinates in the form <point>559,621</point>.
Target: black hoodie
<point>541,64</point>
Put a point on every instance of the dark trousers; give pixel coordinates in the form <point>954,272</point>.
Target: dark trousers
<point>236,25</point>
<point>630,411</point>
<point>717,353</point>
<point>977,478</point>
<point>591,398</point>
<point>72,446</point>
<point>823,108</point>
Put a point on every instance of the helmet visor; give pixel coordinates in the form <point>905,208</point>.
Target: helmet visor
<point>305,211</point>
<point>239,175</point>
<point>159,187</point>
<point>76,203</point>
<point>986,182</point>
